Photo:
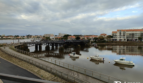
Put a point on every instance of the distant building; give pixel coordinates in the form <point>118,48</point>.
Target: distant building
<point>48,35</point>
<point>127,34</point>
<point>52,36</point>
<point>58,38</point>
<point>88,37</point>
<point>61,34</point>
<point>3,35</point>
<point>71,37</point>
<point>103,35</point>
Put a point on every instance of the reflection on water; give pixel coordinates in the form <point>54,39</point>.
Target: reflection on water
<point>15,41</point>
<point>108,67</point>
<point>96,62</point>
<point>123,66</point>
<point>124,50</point>
<point>74,58</point>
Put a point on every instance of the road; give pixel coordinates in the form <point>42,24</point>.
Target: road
<point>9,68</point>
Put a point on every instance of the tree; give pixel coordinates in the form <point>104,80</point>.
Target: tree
<point>95,38</point>
<point>29,36</point>
<point>77,38</point>
<point>48,38</point>
<point>101,38</point>
<point>77,35</point>
<point>140,38</point>
<point>66,36</point>
<point>109,37</point>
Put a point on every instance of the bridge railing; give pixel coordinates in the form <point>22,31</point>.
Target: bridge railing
<point>47,68</point>
<point>97,75</point>
<point>54,41</point>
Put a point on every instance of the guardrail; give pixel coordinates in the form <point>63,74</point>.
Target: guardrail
<point>97,75</point>
<point>47,68</point>
<point>23,79</point>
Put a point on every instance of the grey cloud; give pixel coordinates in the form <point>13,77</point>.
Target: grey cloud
<point>45,17</point>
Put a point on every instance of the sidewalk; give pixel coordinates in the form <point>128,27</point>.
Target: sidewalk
<point>1,81</point>
<point>61,69</point>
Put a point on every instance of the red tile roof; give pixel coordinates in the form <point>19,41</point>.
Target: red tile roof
<point>103,34</point>
<point>90,36</point>
<point>131,30</point>
<point>71,37</point>
<point>114,31</point>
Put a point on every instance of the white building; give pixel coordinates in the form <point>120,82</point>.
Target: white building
<point>127,34</point>
<point>52,36</point>
<point>61,34</point>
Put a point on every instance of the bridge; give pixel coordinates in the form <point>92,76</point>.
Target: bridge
<point>57,42</point>
<point>52,43</point>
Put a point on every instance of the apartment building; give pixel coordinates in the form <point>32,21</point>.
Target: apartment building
<point>127,34</point>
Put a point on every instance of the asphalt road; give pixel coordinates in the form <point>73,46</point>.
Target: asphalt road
<point>9,68</point>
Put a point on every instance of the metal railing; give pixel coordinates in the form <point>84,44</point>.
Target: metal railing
<point>96,75</point>
<point>23,79</point>
<point>47,68</point>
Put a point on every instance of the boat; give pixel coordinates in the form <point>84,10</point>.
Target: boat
<point>124,62</point>
<point>97,58</point>
<point>73,54</point>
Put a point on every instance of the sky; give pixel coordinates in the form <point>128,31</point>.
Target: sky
<point>85,17</point>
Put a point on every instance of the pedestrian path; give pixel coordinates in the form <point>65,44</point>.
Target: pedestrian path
<point>61,69</point>
<point>1,81</point>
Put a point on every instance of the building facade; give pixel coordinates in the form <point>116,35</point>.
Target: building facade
<point>61,34</point>
<point>71,37</point>
<point>51,36</point>
<point>127,34</point>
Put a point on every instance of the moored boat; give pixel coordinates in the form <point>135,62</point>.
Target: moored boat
<point>124,62</point>
<point>97,58</point>
<point>73,54</point>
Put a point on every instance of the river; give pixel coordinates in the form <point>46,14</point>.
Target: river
<point>108,67</point>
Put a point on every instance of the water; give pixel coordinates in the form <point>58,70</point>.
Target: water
<point>14,41</point>
<point>110,53</point>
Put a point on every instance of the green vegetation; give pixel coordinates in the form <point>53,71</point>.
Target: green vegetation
<point>1,45</point>
<point>48,38</point>
<point>77,38</point>
<point>140,38</point>
<point>66,36</point>
<point>109,37</point>
<point>24,47</point>
<point>77,35</point>
<point>95,39</point>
